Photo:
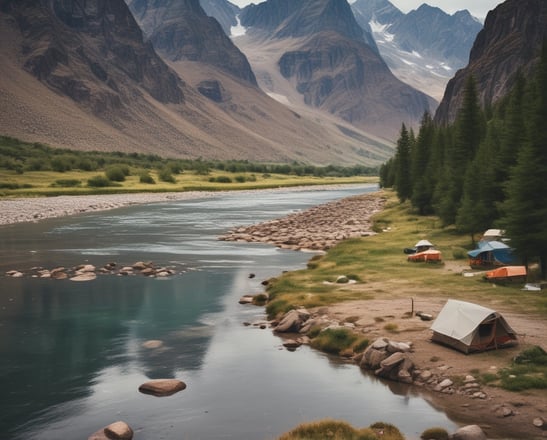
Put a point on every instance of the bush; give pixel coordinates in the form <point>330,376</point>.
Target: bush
<point>115,173</point>
<point>220,179</point>
<point>165,175</point>
<point>13,185</point>
<point>146,178</point>
<point>435,434</point>
<point>277,307</point>
<point>334,340</point>
<point>331,429</point>
<point>61,164</point>
<point>240,179</point>
<point>99,182</point>
<point>67,183</point>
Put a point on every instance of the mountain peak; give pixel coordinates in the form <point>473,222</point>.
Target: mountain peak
<point>300,18</point>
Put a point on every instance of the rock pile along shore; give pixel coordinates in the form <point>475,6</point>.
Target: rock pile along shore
<point>39,208</point>
<point>317,228</point>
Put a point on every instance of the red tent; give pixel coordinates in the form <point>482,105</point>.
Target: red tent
<point>429,255</point>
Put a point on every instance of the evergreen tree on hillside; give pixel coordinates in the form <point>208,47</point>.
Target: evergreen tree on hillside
<point>423,171</point>
<point>402,163</point>
<point>468,133</point>
<point>478,209</point>
<point>526,205</point>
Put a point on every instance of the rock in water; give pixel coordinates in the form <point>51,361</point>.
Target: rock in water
<point>162,387</point>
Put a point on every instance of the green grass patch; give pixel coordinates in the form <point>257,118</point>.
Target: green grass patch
<point>334,340</point>
<point>341,430</point>
<point>527,371</point>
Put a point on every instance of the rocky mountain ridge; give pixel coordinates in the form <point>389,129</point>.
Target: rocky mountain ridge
<point>424,47</point>
<point>323,55</point>
<point>180,30</point>
<point>80,75</point>
<point>509,42</point>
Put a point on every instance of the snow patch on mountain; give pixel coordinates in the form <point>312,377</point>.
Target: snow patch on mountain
<point>238,30</point>
<point>419,70</point>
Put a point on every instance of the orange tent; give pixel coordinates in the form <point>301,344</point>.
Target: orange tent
<point>429,255</point>
<point>507,273</point>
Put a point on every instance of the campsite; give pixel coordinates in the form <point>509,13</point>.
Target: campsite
<point>389,292</point>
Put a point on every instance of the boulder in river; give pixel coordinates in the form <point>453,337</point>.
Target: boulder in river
<point>162,387</point>
<point>115,431</point>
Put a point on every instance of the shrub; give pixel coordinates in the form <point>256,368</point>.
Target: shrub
<point>435,434</point>
<point>115,173</point>
<point>277,307</point>
<point>220,179</point>
<point>389,432</point>
<point>240,179</point>
<point>67,183</point>
<point>99,182</point>
<point>260,300</point>
<point>331,429</point>
<point>35,164</point>
<point>13,185</point>
<point>87,165</point>
<point>391,327</point>
<point>61,164</point>
<point>165,175</point>
<point>334,340</point>
<point>146,178</point>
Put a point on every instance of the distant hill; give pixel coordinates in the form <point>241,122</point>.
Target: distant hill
<point>510,41</point>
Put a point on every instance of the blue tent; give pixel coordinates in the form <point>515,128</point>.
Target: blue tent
<point>491,253</point>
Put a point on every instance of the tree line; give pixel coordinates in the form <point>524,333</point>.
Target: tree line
<point>486,169</point>
<point>21,157</point>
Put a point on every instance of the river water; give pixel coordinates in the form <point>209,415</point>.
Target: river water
<point>71,354</point>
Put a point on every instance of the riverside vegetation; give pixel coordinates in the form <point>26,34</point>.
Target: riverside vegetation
<point>39,170</point>
<point>380,270</point>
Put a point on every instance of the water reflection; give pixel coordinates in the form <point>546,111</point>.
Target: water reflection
<point>73,355</point>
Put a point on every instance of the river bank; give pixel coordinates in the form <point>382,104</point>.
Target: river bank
<point>501,413</point>
<point>32,209</point>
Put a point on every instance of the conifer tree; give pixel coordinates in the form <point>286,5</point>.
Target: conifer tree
<point>526,205</point>
<point>469,128</point>
<point>423,173</point>
<point>402,160</point>
<point>478,210</point>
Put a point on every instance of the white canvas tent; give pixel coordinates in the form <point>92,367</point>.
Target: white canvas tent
<point>469,327</point>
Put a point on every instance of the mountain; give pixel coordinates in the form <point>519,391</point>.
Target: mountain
<point>425,47</point>
<point>510,42</point>
<point>80,75</point>
<point>379,11</point>
<point>223,11</point>
<point>313,52</point>
<point>180,30</point>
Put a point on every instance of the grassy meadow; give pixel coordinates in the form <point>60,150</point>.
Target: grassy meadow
<point>381,269</point>
<point>34,169</point>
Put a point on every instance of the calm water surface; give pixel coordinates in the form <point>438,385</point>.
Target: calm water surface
<point>71,354</point>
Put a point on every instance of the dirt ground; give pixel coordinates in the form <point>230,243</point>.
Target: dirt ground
<point>374,315</point>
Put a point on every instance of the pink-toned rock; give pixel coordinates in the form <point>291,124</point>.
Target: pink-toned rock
<point>162,387</point>
<point>88,276</point>
<point>115,431</point>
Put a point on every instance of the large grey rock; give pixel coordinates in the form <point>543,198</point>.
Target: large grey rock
<point>290,322</point>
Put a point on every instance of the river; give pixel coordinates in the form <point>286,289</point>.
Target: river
<point>72,355</point>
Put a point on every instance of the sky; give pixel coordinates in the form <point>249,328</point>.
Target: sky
<point>478,8</point>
